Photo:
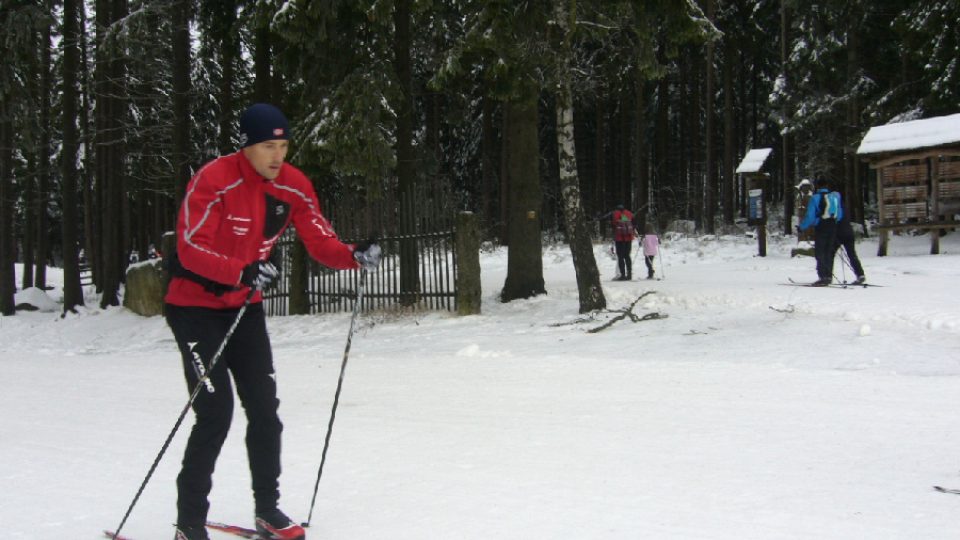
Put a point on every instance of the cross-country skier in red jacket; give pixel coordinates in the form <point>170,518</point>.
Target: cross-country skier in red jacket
<point>235,209</point>
<point>621,220</point>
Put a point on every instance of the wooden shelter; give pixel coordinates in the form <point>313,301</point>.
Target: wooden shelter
<point>918,176</point>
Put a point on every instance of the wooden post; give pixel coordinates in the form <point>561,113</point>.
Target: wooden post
<point>168,248</point>
<point>884,233</point>
<point>757,211</point>
<point>468,264</point>
<point>299,297</point>
<point>934,214</point>
<point>762,227</point>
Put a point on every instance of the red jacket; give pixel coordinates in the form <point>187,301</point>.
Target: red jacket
<point>232,216</point>
<point>622,225</point>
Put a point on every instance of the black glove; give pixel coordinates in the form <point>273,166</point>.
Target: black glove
<point>368,254</point>
<point>259,274</point>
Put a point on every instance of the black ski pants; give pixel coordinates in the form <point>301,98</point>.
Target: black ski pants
<point>847,240</point>
<point>648,259</point>
<point>624,262</point>
<point>824,237</point>
<point>247,357</point>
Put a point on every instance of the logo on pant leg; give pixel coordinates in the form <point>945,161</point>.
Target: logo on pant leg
<point>199,367</point>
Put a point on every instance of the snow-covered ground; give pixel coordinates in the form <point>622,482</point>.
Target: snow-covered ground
<point>754,410</point>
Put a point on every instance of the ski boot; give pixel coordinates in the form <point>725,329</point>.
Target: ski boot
<point>275,525</point>
<point>191,532</point>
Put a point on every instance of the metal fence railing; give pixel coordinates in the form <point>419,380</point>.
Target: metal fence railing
<point>418,270</point>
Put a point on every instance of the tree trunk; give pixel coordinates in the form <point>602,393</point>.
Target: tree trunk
<point>262,65</point>
<point>91,207</point>
<point>181,95</point>
<point>624,165</point>
<point>684,152</point>
<point>742,120</point>
<point>228,55</point>
<point>431,139</point>
<point>665,197</point>
<point>37,160</point>
<point>503,207</point>
<point>710,189</point>
<point>524,257</point>
<point>601,193</point>
<point>641,149</point>
<point>113,176</point>
<point>30,221</point>
<point>697,171</point>
<point>787,180</point>
<point>488,163</point>
<point>578,233</point>
<point>299,279</point>
<point>101,143</point>
<point>852,184</point>
<point>41,234</point>
<point>72,292</point>
<point>729,180</point>
<point>552,208</point>
<point>406,170</point>
<point>8,285</point>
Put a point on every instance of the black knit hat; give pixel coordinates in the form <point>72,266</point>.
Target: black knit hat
<point>262,122</point>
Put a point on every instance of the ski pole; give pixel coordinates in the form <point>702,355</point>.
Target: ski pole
<point>843,267</point>
<point>193,396</point>
<point>336,395</point>
<point>845,262</point>
<point>663,274</point>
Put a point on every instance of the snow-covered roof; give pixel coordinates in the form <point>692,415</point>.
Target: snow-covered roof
<point>913,135</point>
<point>753,161</point>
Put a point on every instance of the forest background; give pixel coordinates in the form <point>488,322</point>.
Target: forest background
<point>561,108</point>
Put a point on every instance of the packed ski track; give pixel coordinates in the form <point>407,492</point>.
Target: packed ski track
<point>748,410</point>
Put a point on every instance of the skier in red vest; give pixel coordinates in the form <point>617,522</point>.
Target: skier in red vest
<point>621,220</point>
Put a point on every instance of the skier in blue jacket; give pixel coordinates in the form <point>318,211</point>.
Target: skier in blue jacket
<point>823,213</point>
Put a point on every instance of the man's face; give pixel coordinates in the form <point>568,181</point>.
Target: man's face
<point>267,157</point>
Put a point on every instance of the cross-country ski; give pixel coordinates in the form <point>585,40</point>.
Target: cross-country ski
<point>838,284</point>
<point>242,532</point>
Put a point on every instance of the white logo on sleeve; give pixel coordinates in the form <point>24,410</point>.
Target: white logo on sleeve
<point>239,225</point>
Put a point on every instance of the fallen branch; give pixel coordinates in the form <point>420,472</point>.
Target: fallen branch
<point>589,318</point>
<point>628,313</point>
